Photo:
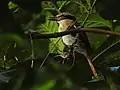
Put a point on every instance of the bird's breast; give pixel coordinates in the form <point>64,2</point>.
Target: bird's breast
<point>68,39</point>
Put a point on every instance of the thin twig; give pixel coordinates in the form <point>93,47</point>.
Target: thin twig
<point>49,53</point>
<point>81,4</point>
<point>101,53</point>
<point>88,14</point>
<point>32,50</point>
<point>62,5</point>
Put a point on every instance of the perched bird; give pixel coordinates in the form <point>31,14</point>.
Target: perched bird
<point>76,42</point>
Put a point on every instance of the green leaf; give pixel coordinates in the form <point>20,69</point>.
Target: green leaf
<point>96,40</point>
<point>117,28</point>
<point>96,21</point>
<point>89,3</point>
<point>69,6</point>
<point>111,82</point>
<point>82,7</point>
<point>47,86</point>
<point>51,27</point>
<point>11,5</point>
<point>62,4</point>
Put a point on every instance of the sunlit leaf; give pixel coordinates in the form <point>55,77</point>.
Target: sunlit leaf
<point>96,21</point>
<point>11,5</point>
<point>47,86</point>
<point>117,28</point>
<point>62,4</point>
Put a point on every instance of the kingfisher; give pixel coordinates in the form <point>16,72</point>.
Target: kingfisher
<point>77,42</point>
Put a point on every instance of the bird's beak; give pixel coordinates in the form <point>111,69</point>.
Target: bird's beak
<point>53,18</point>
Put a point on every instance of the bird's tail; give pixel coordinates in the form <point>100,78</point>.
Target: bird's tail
<point>92,66</point>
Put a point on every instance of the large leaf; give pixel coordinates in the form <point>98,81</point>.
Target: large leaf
<point>96,21</point>
<point>96,40</point>
<point>51,27</point>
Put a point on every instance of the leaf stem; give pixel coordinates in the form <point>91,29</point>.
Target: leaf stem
<point>88,14</point>
<point>62,5</point>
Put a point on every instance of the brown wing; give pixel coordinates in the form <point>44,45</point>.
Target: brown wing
<point>82,44</point>
<point>84,39</point>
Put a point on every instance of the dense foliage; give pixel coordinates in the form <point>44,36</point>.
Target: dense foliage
<point>28,63</point>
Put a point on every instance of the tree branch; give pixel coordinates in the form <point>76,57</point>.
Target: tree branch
<point>72,31</point>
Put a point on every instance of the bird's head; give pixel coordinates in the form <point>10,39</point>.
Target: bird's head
<point>63,16</point>
<point>64,20</point>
